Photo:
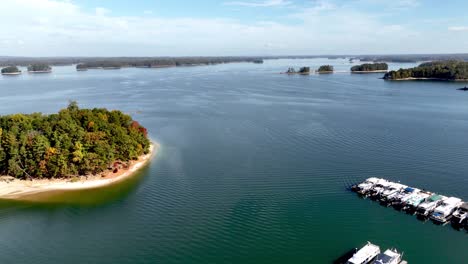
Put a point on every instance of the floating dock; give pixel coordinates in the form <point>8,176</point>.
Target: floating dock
<point>425,204</point>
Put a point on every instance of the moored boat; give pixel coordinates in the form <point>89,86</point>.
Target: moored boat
<point>443,212</point>
<point>366,186</point>
<point>460,216</point>
<point>400,198</point>
<point>425,208</point>
<point>378,188</point>
<point>365,255</point>
<point>414,201</point>
<point>390,192</point>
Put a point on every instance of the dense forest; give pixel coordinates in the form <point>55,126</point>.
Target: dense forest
<point>445,70</point>
<point>370,67</point>
<point>325,68</point>
<point>39,67</point>
<point>10,69</point>
<point>72,142</point>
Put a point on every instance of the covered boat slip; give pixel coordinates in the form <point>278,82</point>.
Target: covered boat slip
<point>425,204</point>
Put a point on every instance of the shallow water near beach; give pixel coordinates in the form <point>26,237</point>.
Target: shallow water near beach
<point>253,168</point>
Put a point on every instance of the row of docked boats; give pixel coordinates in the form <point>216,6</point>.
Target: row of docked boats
<point>426,205</point>
<point>371,254</point>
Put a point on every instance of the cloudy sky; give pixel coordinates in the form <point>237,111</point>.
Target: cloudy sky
<point>231,27</point>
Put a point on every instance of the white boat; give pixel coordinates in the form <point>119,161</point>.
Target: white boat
<point>425,208</point>
<point>443,212</point>
<point>390,256</point>
<point>391,190</point>
<point>378,188</point>
<point>415,200</point>
<point>365,187</point>
<point>365,255</point>
<point>460,216</point>
<point>400,198</point>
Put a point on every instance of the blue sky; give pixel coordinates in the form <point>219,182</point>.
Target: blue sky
<point>231,27</point>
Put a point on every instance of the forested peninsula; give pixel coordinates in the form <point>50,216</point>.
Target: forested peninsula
<point>436,70</point>
<point>370,67</point>
<point>68,144</point>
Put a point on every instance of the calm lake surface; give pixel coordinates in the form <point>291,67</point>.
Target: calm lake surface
<point>253,167</point>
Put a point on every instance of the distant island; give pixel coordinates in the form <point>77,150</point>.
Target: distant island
<point>81,67</point>
<point>302,70</point>
<point>75,148</point>
<point>325,69</point>
<point>436,70</point>
<point>39,68</point>
<point>11,70</point>
<point>370,68</point>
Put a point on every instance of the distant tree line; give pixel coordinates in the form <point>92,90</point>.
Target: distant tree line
<point>407,58</point>
<point>446,70</point>
<point>10,69</point>
<point>161,62</point>
<point>72,142</point>
<point>325,68</point>
<point>370,67</point>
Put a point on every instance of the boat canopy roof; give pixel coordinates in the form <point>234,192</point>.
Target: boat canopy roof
<point>464,206</point>
<point>409,189</point>
<point>369,250</point>
<point>387,257</point>
<point>435,197</point>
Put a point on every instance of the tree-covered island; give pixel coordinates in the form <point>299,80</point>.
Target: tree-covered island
<point>302,70</point>
<point>70,143</point>
<point>11,70</point>
<point>436,70</point>
<point>39,68</point>
<point>325,69</point>
<point>370,67</point>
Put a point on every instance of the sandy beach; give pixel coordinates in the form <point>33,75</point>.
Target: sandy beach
<point>17,189</point>
<point>11,73</point>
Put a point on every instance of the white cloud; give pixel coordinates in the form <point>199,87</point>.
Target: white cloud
<point>62,28</point>
<point>267,3</point>
<point>100,11</point>
<point>458,28</point>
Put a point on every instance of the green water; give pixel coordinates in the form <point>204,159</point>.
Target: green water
<point>253,169</point>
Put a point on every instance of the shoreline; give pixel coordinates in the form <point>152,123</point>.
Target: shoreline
<point>11,73</point>
<point>40,71</point>
<point>376,71</point>
<point>22,190</point>
<point>427,79</point>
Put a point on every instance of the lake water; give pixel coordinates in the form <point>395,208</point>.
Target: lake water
<point>253,167</point>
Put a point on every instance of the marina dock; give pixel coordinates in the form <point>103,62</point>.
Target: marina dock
<point>422,203</point>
